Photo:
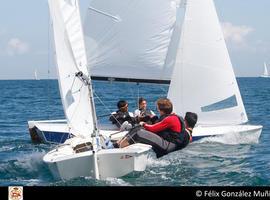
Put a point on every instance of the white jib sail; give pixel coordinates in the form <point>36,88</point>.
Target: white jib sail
<point>203,80</point>
<point>71,58</point>
<point>129,38</point>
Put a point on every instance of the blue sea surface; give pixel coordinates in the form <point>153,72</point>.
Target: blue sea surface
<point>207,163</point>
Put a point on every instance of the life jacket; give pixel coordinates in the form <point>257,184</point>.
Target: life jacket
<point>189,132</point>
<point>146,112</point>
<point>120,117</point>
<point>146,116</point>
<point>181,139</point>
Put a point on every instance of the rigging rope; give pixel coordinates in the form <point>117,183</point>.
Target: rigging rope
<point>105,107</point>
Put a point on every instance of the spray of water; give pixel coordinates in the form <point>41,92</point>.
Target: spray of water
<point>232,139</point>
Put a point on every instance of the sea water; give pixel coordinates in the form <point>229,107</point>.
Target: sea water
<point>209,162</point>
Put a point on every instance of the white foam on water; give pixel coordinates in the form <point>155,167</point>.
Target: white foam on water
<point>231,138</point>
<point>154,162</point>
<point>23,182</point>
<point>6,148</point>
<point>33,182</point>
<point>164,176</point>
<point>112,181</point>
<point>30,162</point>
<point>157,173</point>
<point>117,182</point>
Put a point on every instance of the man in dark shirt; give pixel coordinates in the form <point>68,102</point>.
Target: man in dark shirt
<point>122,114</point>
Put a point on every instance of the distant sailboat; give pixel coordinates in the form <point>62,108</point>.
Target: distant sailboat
<point>265,73</point>
<point>36,76</point>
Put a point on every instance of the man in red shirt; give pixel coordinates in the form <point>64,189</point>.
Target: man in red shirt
<point>171,133</point>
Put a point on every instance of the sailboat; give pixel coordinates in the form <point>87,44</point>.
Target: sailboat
<point>83,155</point>
<point>118,52</point>
<point>265,73</point>
<point>134,42</point>
<point>36,76</point>
<point>193,46</point>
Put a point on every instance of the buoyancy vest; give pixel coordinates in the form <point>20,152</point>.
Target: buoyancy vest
<point>146,112</point>
<point>147,116</point>
<point>120,117</point>
<point>181,139</point>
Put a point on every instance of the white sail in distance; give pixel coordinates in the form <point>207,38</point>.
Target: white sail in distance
<point>130,38</point>
<point>36,76</point>
<point>265,73</point>
<point>71,59</point>
<point>203,79</point>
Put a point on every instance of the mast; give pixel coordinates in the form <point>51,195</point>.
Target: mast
<point>95,132</point>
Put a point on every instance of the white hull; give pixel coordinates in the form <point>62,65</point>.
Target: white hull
<point>59,127</point>
<point>57,131</point>
<point>240,131</point>
<point>49,131</point>
<point>65,163</point>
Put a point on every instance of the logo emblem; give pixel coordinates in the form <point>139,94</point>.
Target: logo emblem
<point>15,193</point>
<point>126,157</point>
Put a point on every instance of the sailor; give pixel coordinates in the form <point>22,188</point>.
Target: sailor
<point>170,134</point>
<point>143,114</point>
<point>122,114</point>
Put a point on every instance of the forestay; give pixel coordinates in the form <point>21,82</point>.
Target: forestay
<point>130,39</point>
<point>71,58</point>
<point>203,80</point>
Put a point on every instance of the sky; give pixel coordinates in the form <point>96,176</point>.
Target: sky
<point>25,44</point>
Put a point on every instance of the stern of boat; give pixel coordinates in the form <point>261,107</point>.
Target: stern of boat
<point>122,161</point>
<point>48,131</point>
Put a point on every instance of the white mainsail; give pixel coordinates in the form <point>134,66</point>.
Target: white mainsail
<point>130,39</point>
<point>203,80</point>
<point>71,59</point>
